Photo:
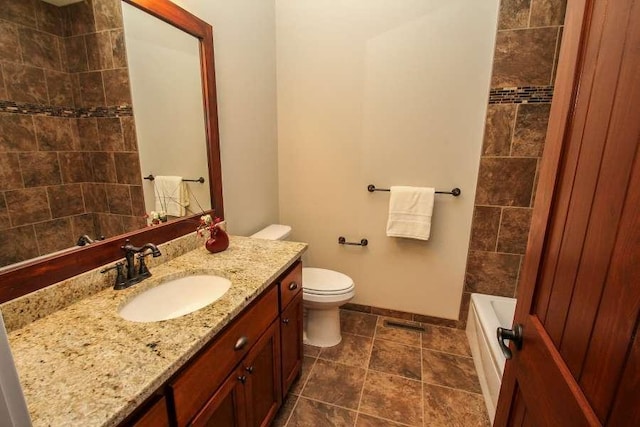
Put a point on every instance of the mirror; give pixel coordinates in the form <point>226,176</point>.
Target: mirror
<point>70,148</point>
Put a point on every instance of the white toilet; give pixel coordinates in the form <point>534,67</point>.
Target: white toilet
<point>323,292</point>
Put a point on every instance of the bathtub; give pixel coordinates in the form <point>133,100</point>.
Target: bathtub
<point>486,313</point>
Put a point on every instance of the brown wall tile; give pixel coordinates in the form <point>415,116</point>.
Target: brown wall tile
<point>484,229</point>
<point>9,44</point>
<point>104,169</point>
<point>108,14</point>
<point>88,134</point>
<point>137,200</point>
<point>119,50</point>
<point>492,273</point>
<point>109,225</point>
<point>116,85</point>
<point>91,89</point>
<point>498,130</point>
<point>40,168</point>
<point>505,181</point>
<point>40,49</point>
<point>17,133</point>
<point>132,223</point>
<point>75,167</point>
<point>65,200</point>
<point>99,51</point>
<point>55,133</point>
<point>25,83</point>
<point>10,178</point>
<point>3,90</point>
<point>530,130</point>
<point>17,244</point>
<point>81,18</point>
<point>76,54</point>
<point>28,206</point>
<point>524,57</point>
<point>547,12</point>
<point>50,18</point>
<point>513,14</point>
<point>19,11</point>
<point>83,224</point>
<point>110,134</point>
<point>54,235</point>
<point>129,133</point>
<point>119,199</point>
<point>59,88</point>
<point>95,197</point>
<point>514,230</point>
<point>128,168</point>
<point>4,213</point>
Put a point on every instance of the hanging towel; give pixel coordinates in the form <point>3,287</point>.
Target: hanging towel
<point>171,195</point>
<point>410,210</point>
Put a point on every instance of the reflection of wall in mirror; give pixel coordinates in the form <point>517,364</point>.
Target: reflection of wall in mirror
<point>68,154</point>
<point>164,65</point>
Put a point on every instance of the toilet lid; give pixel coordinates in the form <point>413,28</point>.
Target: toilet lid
<point>320,281</point>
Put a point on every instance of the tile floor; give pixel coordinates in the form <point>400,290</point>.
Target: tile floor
<point>383,376</point>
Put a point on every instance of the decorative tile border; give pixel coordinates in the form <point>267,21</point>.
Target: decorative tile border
<point>521,95</point>
<point>49,110</point>
<point>403,315</point>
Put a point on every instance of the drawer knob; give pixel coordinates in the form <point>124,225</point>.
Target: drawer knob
<point>285,321</point>
<point>249,369</point>
<point>242,379</point>
<point>293,286</point>
<point>241,343</point>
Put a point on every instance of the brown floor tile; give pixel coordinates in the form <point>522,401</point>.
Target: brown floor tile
<point>369,421</point>
<point>449,370</point>
<point>285,410</point>
<point>397,359</point>
<point>399,335</point>
<point>354,350</point>
<point>449,340</point>
<point>335,383</point>
<point>307,365</point>
<point>311,350</point>
<point>448,407</point>
<point>309,413</point>
<point>356,323</point>
<point>395,398</point>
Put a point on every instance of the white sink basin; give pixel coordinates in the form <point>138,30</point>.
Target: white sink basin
<point>175,298</point>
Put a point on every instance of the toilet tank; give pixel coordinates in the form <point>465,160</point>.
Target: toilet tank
<point>273,232</point>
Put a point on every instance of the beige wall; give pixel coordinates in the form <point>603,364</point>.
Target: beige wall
<point>387,93</point>
<point>244,43</point>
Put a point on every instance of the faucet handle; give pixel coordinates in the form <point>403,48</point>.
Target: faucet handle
<point>121,281</point>
<point>143,270</point>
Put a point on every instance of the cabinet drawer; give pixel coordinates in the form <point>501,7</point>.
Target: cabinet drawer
<point>290,285</point>
<point>197,383</point>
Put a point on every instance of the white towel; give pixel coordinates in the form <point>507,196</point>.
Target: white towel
<point>410,210</point>
<point>171,195</point>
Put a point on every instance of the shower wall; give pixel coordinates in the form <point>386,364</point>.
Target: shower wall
<point>525,61</point>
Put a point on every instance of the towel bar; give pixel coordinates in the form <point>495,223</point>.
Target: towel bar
<point>455,192</point>
<point>150,177</point>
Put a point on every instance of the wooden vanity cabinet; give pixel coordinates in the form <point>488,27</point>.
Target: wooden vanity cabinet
<point>155,416</point>
<point>291,317</point>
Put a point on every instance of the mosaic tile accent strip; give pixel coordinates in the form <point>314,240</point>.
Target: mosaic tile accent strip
<point>521,95</point>
<point>53,111</point>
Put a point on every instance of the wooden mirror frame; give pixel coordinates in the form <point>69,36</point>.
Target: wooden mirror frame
<point>40,273</point>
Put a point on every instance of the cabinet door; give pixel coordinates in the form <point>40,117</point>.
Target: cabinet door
<point>226,408</point>
<point>262,371</point>
<point>291,336</point>
<point>156,416</point>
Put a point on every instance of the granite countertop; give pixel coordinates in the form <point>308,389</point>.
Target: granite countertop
<point>85,366</point>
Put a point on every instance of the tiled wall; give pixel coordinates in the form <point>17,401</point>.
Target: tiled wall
<point>526,55</point>
<point>68,152</point>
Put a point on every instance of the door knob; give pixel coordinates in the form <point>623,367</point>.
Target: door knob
<point>514,335</point>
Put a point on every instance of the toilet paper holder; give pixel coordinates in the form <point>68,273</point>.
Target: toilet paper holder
<point>343,241</point>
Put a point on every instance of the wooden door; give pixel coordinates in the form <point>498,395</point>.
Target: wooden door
<point>579,294</point>
<point>263,381</point>
<point>291,336</point>
<point>227,406</point>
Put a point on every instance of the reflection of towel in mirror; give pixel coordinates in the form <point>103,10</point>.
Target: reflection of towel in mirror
<point>410,210</point>
<point>171,195</point>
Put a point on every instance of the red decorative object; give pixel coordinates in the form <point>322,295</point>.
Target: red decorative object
<point>218,241</point>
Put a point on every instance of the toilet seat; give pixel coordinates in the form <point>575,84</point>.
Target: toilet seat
<point>320,281</point>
